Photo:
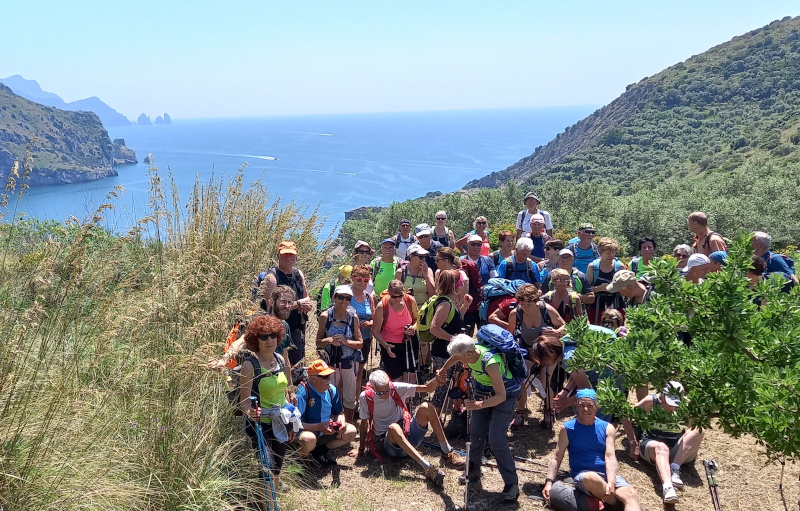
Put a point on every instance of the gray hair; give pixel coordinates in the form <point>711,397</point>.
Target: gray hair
<point>460,345</point>
<point>378,378</point>
<point>763,238</point>
<point>440,212</point>
<point>524,244</point>
<point>686,248</point>
<point>479,219</point>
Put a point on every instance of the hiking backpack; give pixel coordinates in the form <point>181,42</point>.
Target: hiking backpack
<point>497,288</point>
<point>474,276</point>
<point>511,267</point>
<point>425,317</point>
<point>369,396</point>
<point>573,247</point>
<point>501,341</point>
<point>407,299</point>
<point>257,285</point>
<point>596,269</point>
<point>339,353</point>
<point>786,259</point>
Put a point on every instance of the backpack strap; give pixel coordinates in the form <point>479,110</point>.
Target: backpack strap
<point>257,375</point>
<point>369,396</point>
<point>595,271</point>
<point>529,271</point>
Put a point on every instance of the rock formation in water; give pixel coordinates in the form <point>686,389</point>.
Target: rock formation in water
<point>143,120</point>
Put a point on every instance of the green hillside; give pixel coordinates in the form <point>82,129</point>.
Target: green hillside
<point>718,132</point>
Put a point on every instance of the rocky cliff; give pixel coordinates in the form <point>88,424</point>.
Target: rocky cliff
<point>67,147</point>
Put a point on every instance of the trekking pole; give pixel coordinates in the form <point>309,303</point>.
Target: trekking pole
<point>711,475</point>
<point>263,456</point>
<point>443,411</point>
<point>466,477</point>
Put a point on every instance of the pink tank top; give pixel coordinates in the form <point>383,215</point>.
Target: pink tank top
<point>394,330</point>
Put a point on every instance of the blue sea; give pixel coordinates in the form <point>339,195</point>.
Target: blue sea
<point>332,162</point>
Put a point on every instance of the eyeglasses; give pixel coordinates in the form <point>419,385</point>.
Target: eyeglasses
<point>681,256</point>
<point>395,297</point>
<point>361,279</point>
<point>342,297</point>
<point>561,280</point>
<point>480,223</point>
<point>363,252</point>
<point>266,337</point>
<point>441,218</point>
<point>381,392</point>
<point>608,323</point>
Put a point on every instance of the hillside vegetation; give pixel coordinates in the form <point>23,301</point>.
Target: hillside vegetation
<point>718,133</point>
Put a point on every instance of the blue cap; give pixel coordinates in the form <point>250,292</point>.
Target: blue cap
<point>586,393</point>
<point>720,256</point>
<point>388,240</point>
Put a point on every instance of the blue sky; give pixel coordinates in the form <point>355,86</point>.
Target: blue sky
<point>243,58</point>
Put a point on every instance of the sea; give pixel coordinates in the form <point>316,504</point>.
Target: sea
<point>329,163</point>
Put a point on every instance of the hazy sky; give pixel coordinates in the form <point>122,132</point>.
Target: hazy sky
<point>244,58</point>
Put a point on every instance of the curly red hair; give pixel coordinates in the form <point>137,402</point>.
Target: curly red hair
<point>261,325</point>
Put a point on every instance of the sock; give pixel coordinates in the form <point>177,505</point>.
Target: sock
<point>425,464</point>
<point>445,446</point>
<point>675,466</point>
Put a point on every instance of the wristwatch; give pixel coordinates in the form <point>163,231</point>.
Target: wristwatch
<point>548,480</point>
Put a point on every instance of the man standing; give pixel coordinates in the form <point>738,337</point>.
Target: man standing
<point>775,262</point>
<point>424,240</point>
<point>403,239</point>
<point>519,266</point>
<point>287,274</point>
<point>484,263</point>
<point>706,241</point>
<point>585,250</point>
<point>531,202</point>
<point>384,267</point>
<point>592,459</point>
<point>580,284</point>
<point>539,237</point>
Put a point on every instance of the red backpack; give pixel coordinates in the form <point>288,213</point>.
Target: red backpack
<point>474,276</point>
<point>369,394</point>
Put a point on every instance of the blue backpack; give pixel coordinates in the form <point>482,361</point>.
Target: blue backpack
<point>501,341</point>
<point>496,288</point>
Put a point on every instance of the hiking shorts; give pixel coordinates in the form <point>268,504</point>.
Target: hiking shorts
<point>619,483</point>
<point>416,434</point>
<point>673,449</point>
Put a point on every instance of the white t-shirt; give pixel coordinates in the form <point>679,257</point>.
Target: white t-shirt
<point>386,410</point>
<point>524,220</point>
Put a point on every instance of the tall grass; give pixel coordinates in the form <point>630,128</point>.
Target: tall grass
<point>106,402</point>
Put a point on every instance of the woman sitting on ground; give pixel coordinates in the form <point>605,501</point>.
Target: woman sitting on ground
<point>441,233</point>
<point>264,378</point>
<point>363,302</point>
<point>394,327</point>
<point>338,333</point>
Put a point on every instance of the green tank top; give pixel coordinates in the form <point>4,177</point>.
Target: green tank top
<point>272,390</point>
<point>417,283</point>
<point>383,275</point>
<point>477,367</point>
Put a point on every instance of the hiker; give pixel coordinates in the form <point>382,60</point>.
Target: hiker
<point>424,240</point>
<point>600,273</point>
<point>287,274</point>
<point>325,298</point>
<point>486,267</point>
<point>647,249</point>
<point>324,424</point>
<point>394,328</point>
<point>625,282</point>
<point>550,262</point>
<point>592,457</point>
<point>448,318</point>
<point>364,303</point>
<point>538,236</point>
<point>563,298</point>
<point>614,320</point>
<point>531,202</point>
<point>416,275</point>
<point>507,242</point>
<point>584,249</point>
<point>706,241</point>
<point>479,269</point>
<point>479,228</point>
<point>776,263</point>
<point>441,233</point>
<point>264,378</point>
<point>527,323</point>
<point>580,284</point>
<point>362,256</point>
<point>682,253</point>
<point>386,420</point>
<point>404,238</point>
<point>718,260</point>
<point>664,446</point>
<point>519,266</point>
<point>384,267</point>
<point>448,260</point>
<point>492,403</point>
<point>339,334</point>
<point>696,269</point>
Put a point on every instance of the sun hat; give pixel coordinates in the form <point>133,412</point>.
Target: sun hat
<point>621,279</point>
<point>423,229</point>
<point>586,226</point>
<point>531,195</point>
<point>694,261</point>
<point>361,243</point>
<point>474,237</point>
<point>345,270</point>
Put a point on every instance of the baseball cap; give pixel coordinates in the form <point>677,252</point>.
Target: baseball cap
<point>345,270</point>
<point>565,251</point>
<point>720,256</point>
<point>694,261</point>
<point>415,249</point>
<point>287,247</point>
<point>423,229</point>
<point>586,393</point>
<point>672,392</point>
<point>474,237</point>
<point>621,279</point>
<point>537,218</point>
<point>405,221</point>
<point>319,368</point>
<point>388,240</point>
<point>361,243</point>
<point>531,195</point>
<point>343,290</point>
<point>584,227</point>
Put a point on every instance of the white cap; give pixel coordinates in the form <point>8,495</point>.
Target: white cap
<point>566,251</point>
<point>672,392</point>
<point>475,237</point>
<point>694,261</point>
<point>416,249</point>
<point>343,290</point>
<point>423,229</point>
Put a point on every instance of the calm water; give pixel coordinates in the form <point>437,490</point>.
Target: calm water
<point>336,162</point>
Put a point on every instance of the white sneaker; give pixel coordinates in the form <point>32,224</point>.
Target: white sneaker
<point>670,496</point>
<point>677,482</point>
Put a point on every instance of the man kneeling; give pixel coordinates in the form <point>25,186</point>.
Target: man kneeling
<point>592,459</point>
<point>384,416</point>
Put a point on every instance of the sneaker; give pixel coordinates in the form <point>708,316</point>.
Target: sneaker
<point>435,476</point>
<point>324,458</point>
<point>670,497</point>
<point>453,460</point>
<point>677,482</point>
<point>510,493</point>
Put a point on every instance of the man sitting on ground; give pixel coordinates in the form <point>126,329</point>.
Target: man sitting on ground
<point>666,447</point>
<point>592,460</point>
<point>320,405</point>
<point>387,415</point>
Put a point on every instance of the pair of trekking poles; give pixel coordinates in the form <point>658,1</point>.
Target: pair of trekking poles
<point>263,458</point>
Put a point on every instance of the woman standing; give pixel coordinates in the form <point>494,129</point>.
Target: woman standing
<point>562,298</point>
<point>363,302</point>
<point>479,228</point>
<point>362,256</point>
<point>506,250</point>
<point>600,274</point>
<point>264,378</point>
<point>394,328</point>
<point>441,233</point>
<point>338,334</point>
<point>446,259</point>
<point>491,406</point>
<point>531,317</point>
<point>416,277</point>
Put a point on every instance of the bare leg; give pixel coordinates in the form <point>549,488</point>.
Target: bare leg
<point>595,484</point>
<point>641,393</point>
<point>659,453</point>
<point>396,437</point>
<point>630,498</point>
<point>307,441</point>
<point>426,414</point>
<point>627,425</point>
<point>690,444</point>
<point>348,414</point>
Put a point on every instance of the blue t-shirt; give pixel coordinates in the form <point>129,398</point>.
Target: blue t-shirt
<point>776,264</point>
<point>583,258</point>
<point>587,446</point>
<point>317,408</point>
<point>538,246</point>
<point>364,311</point>
<point>485,267</point>
<point>519,272</point>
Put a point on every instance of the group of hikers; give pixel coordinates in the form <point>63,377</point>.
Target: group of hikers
<point>477,330</point>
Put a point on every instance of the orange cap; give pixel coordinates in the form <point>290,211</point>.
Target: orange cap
<point>287,247</point>
<point>319,368</point>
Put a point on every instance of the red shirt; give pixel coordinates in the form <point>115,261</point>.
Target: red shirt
<point>506,305</point>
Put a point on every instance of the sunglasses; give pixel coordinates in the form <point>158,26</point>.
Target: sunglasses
<point>608,323</point>
<point>395,297</point>
<point>480,223</point>
<point>360,279</point>
<point>381,392</point>
<point>362,252</point>
<point>681,256</point>
<point>475,244</point>
<point>423,236</point>
<point>266,337</point>
<point>441,218</point>
<point>342,297</point>
<point>589,232</point>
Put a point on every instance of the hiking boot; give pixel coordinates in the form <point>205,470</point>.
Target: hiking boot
<point>510,493</point>
<point>677,482</point>
<point>670,497</point>
<point>323,457</point>
<point>453,460</point>
<point>435,476</point>
<point>475,473</point>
